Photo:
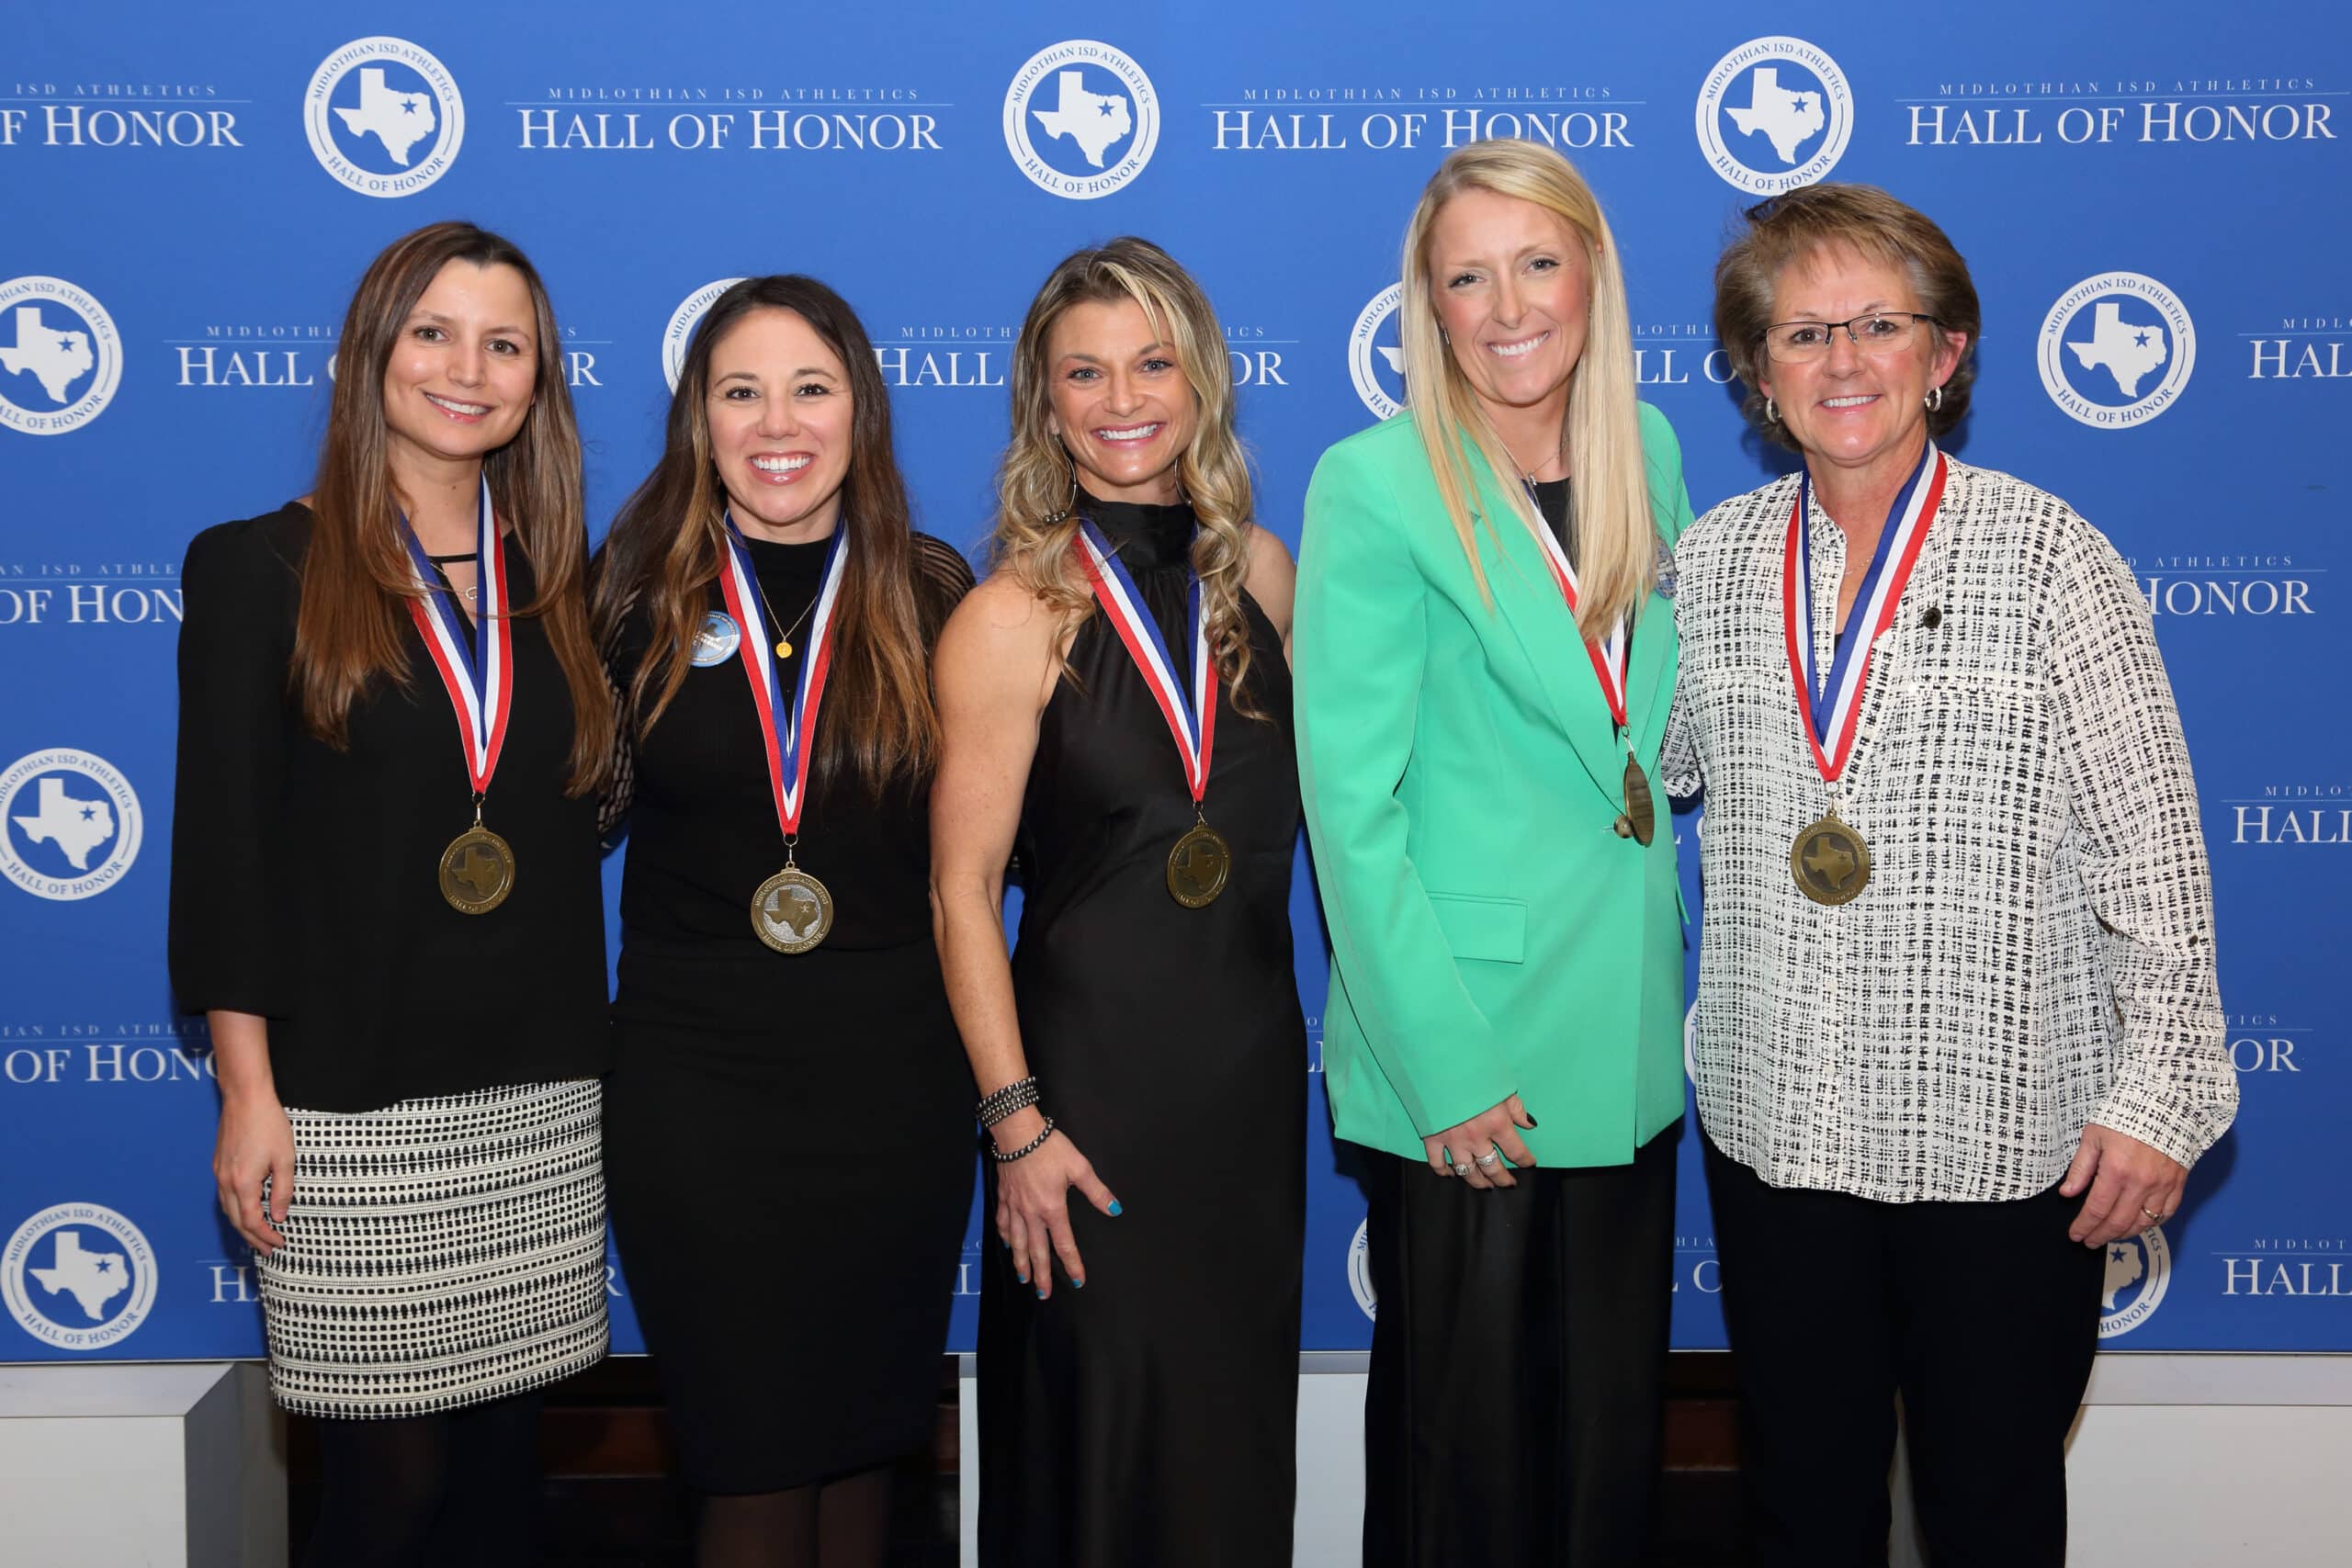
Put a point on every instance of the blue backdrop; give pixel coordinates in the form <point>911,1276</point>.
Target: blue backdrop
<point>189,200</point>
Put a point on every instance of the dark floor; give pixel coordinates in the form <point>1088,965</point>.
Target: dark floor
<point>609,1502</point>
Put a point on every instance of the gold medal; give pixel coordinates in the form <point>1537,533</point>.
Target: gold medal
<point>477,871</point>
<point>1830,861</point>
<point>1198,866</point>
<point>792,912</point>
<point>1639,820</point>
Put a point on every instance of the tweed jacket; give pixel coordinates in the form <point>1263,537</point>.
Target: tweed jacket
<point>2034,948</point>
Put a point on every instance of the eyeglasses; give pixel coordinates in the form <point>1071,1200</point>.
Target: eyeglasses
<point>1879,332</point>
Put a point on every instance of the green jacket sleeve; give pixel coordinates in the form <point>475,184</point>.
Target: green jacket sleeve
<point>1360,641</point>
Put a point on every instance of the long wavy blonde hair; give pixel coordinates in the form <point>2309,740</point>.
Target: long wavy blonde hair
<point>1616,540</point>
<point>1035,525</point>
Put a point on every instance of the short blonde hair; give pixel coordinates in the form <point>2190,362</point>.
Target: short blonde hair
<point>1798,225</point>
<point>1616,540</point>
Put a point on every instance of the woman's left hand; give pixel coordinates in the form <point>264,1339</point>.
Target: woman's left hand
<point>2132,1186</point>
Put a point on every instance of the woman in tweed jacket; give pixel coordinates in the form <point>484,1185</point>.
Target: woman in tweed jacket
<point>1958,1033</point>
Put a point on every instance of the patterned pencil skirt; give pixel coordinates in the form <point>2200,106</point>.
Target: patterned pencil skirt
<point>439,1253</point>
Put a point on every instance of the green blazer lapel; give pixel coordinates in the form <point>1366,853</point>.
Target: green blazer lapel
<point>1527,598</point>
<point>1650,674</point>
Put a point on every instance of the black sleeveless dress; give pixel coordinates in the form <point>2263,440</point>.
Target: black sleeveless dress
<point>789,1145</point>
<point>1150,1418</point>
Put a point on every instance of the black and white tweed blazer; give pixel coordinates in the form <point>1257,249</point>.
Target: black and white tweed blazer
<point>2034,950</point>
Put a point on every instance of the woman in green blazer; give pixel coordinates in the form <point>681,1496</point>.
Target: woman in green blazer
<point>1484,671</point>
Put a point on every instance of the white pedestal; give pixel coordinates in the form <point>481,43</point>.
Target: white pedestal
<point>115,1465</point>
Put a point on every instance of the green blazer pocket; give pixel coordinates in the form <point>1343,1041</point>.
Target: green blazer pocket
<point>1492,929</point>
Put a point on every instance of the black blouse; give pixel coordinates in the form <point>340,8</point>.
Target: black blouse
<point>304,879</point>
<point>703,831</point>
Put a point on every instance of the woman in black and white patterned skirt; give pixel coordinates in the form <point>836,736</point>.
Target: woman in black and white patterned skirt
<point>385,898</point>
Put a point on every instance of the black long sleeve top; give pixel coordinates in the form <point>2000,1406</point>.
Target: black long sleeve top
<point>304,878</point>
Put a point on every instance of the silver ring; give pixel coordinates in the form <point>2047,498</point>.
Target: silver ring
<point>1462,1170</point>
<point>1488,1161</point>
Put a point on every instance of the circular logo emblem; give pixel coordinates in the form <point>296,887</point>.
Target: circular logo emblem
<point>1774,114</point>
<point>78,1277</point>
<point>1690,1043</point>
<point>2116,350</point>
<point>69,824</point>
<point>716,641</point>
<point>681,330</point>
<point>1360,1269</point>
<point>2138,1269</point>
<point>1376,354</point>
<point>384,116</point>
<point>59,356</point>
<point>1080,120</point>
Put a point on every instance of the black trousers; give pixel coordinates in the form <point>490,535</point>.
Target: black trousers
<point>1517,1363</point>
<point>1983,1317</point>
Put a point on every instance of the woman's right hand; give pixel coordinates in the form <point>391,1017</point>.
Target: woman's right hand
<point>256,1146</point>
<point>1484,1150</point>
<point>1032,1201</point>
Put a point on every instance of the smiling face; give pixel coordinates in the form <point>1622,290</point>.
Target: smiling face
<point>1121,403</point>
<point>1860,410</point>
<point>463,367</point>
<point>1511,285</point>
<point>780,415</point>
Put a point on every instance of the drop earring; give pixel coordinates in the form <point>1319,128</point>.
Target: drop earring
<point>1062,514</point>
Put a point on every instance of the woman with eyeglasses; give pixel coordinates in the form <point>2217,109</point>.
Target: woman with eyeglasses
<point>1958,1037</point>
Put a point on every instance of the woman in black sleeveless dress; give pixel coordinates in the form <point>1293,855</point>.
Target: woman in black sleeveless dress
<point>1140,1408</point>
<point>790,1166</point>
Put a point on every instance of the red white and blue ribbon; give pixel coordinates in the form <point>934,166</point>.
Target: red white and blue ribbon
<point>787,728</point>
<point>1191,713</point>
<point>477,662</point>
<point>1829,708</point>
<point>1609,656</point>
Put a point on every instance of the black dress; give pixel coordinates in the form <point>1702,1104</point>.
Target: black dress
<point>789,1137</point>
<point>1150,1418</point>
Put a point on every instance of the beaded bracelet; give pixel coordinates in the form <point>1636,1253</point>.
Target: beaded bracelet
<point>1026,1150</point>
<point>1017,1095</point>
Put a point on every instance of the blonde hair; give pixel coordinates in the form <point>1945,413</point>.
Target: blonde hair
<point>1035,526</point>
<point>1616,541</point>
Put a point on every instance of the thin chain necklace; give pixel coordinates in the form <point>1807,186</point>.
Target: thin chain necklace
<point>465,593</point>
<point>1525,472</point>
<point>783,642</point>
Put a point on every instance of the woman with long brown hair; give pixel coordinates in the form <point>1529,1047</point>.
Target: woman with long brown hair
<point>790,1124</point>
<point>385,899</point>
<point>1114,701</point>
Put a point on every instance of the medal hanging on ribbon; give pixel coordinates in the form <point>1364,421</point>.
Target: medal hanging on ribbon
<point>1201,861</point>
<point>477,666</point>
<point>792,911</point>
<point>1639,819</point>
<point>1830,861</point>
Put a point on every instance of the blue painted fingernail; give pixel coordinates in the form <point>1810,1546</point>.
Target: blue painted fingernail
<point>1114,1208</point>
<point>1024,1278</point>
<point>1041,1295</point>
<point>1080,1283</point>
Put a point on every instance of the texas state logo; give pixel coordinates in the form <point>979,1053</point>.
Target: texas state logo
<point>384,116</point>
<point>1376,354</point>
<point>682,320</point>
<point>61,358</point>
<point>1774,114</point>
<point>1080,120</point>
<point>1360,1270</point>
<point>2138,1269</point>
<point>2116,350</point>
<point>78,1277</point>
<point>70,824</point>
